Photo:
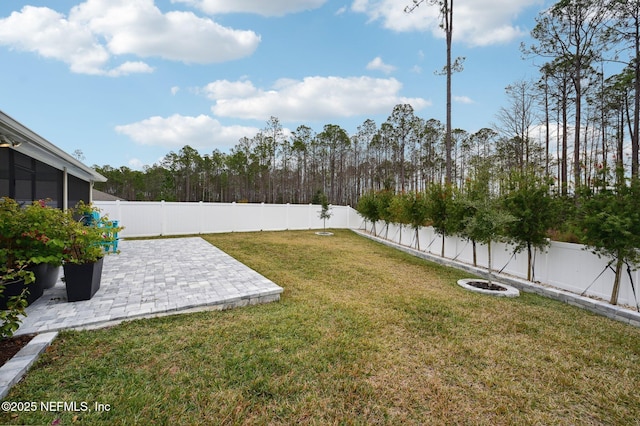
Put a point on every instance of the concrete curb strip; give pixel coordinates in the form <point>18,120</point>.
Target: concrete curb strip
<point>16,367</point>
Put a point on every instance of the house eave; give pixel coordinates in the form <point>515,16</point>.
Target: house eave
<point>35,146</point>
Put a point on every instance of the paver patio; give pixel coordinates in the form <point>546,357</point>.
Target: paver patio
<point>153,278</point>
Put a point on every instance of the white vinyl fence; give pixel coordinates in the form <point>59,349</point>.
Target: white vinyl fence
<point>566,266</point>
<point>148,219</point>
<point>562,265</point>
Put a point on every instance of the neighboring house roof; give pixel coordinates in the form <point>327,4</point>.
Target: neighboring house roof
<point>103,196</point>
<point>35,146</point>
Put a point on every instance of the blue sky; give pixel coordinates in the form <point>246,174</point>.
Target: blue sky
<point>128,81</point>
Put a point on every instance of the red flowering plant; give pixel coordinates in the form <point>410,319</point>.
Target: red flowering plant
<point>86,234</point>
<point>42,236</point>
<point>28,236</point>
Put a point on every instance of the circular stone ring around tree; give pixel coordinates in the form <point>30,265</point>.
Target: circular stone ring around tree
<point>493,289</point>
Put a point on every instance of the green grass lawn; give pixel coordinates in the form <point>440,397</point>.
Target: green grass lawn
<point>363,334</point>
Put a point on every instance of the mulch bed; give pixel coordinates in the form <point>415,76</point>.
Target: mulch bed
<point>486,286</point>
<point>10,347</point>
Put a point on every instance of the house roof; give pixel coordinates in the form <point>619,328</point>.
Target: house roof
<point>103,196</point>
<point>37,147</point>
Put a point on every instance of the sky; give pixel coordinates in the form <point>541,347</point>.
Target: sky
<point>128,81</point>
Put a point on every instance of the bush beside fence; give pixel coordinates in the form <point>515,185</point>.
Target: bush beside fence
<point>565,266</point>
<point>562,265</point>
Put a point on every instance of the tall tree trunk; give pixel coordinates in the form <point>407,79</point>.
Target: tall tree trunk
<point>576,136</point>
<point>565,127</point>
<point>635,144</point>
<point>448,18</point>
<point>547,130</point>
<point>620,142</point>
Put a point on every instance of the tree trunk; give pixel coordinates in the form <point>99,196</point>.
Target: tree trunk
<point>564,174</point>
<point>635,144</point>
<point>448,11</point>
<point>529,261</point>
<point>489,262</point>
<point>616,282</point>
<point>578,122</point>
<point>475,258</point>
<point>442,249</point>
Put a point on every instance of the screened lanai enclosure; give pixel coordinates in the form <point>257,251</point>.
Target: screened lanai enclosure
<point>32,168</point>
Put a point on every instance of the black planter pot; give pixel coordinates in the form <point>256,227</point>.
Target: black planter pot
<point>14,288</point>
<point>47,276</point>
<point>82,281</point>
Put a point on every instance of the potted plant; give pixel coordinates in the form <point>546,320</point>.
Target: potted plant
<point>13,305</point>
<point>17,283</point>
<point>43,241</point>
<point>84,251</point>
<point>19,254</point>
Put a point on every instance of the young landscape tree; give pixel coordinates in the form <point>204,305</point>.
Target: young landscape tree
<point>487,224</point>
<point>325,210</point>
<point>368,208</point>
<point>609,222</point>
<point>529,201</point>
<point>412,209</point>
<point>465,204</point>
<point>440,211</point>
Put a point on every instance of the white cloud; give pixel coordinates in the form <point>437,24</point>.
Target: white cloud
<point>140,28</point>
<point>463,99</point>
<point>95,32</point>
<point>378,64</point>
<point>476,22</point>
<point>175,90</point>
<point>260,7</point>
<point>312,99</point>
<point>223,89</point>
<point>49,33</point>
<point>130,68</point>
<point>176,131</point>
<point>135,164</point>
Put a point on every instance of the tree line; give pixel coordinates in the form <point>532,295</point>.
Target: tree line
<point>573,121</point>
